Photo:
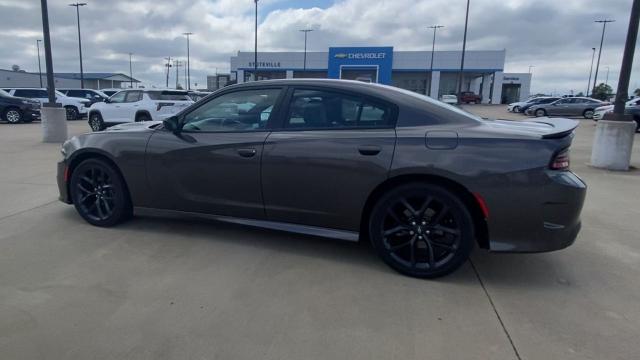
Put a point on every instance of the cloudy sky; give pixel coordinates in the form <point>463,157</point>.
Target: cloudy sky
<point>555,36</point>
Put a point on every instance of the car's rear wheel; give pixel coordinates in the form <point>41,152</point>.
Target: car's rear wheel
<point>72,112</point>
<point>540,113</point>
<point>588,114</point>
<point>13,116</point>
<point>421,230</point>
<point>516,109</point>
<point>99,193</point>
<point>95,122</point>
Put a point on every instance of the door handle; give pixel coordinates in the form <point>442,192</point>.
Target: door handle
<point>248,152</point>
<point>369,150</point>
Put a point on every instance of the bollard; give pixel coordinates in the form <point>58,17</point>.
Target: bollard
<point>54,124</point>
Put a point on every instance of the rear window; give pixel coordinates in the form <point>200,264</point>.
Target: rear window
<point>169,95</point>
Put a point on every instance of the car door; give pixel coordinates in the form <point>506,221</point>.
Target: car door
<point>111,111</point>
<point>330,151</point>
<point>131,105</point>
<point>213,164</point>
<point>560,107</point>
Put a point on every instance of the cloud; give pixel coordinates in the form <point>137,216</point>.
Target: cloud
<point>554,36</point>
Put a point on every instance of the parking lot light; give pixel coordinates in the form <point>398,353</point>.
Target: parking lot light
<point>433,49</point>
<point>39,66</point>
<point>305,31</point>
<point>593,55</point>
<point>77,6</point>
<point>188,34</point>
<point>255,46</point>
<point>604,27</point>
<point>464,47</point>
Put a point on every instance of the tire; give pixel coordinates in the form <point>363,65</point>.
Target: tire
<point>588,114</point>
<point>99,193</point>
<point>421,230</point>
<point>637,119</point>
<point>143,117</point>
<point>540,113</point>
<point>516,109</point>
<point>72,112</point>
<point>95,122</point>
<point>13,116</point>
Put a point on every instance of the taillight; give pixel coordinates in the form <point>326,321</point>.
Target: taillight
<point>560,161</point>
<point>161,104</point>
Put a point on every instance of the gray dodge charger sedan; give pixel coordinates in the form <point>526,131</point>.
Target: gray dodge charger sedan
<point>425,182</point>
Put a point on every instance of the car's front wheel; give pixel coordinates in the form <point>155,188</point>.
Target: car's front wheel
<point>421,230</point>
<point>12,115</point>
<point>95,122</point>
<point>540,113</point>
<point>588,114</point>
<point>99,193</point>
<point>516,109</point>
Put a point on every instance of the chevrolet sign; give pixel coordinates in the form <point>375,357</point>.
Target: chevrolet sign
<point>358,56</point>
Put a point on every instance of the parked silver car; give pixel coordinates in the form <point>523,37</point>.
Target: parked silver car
<point>570,106</point>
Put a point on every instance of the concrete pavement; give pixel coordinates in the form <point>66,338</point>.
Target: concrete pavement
<point>177,289</point>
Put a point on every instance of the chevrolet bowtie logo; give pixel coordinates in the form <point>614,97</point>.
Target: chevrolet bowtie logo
<point>340,56</point>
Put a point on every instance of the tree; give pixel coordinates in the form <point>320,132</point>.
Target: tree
<point>580,94</point>
<point>602,92</point>
<point>636,92</point>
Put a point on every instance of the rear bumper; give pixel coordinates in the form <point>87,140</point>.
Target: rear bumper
<point>63,187</point>
<point>546,220</point>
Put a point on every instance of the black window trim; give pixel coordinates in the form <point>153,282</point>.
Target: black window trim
<point>275,113</point>
<point>284,112</point>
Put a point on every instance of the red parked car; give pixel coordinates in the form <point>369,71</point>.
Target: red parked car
<point>467,97</point>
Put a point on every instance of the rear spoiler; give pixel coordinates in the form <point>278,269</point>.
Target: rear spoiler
<point>561,127</point>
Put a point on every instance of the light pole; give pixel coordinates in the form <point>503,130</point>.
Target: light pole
<point>168,69</point>
<point>593,55</point>
<point>130,71</point>
<point>595,77</point>
<point>177,64</point>
<point>187,34</point>
<point>255,46</point>
<point>305,31</point>
<point>433,48</point>
<point>77,6</point>
<point>464,47</point>
<point>530,68</point>
<point>39,66</point>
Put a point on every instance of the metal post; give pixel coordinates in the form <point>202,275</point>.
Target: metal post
<point>595,77</point>
<point>606,81</point>
<point>627,60</point>
<point>176,64</point>
<point>39,66</point>
<point>168,68</point>
<point>304,63</point>
<point>433,48</point>
<point>464,47</point>
<point>255,49</point>
<point>47,55</point>
<point>593,55</point>
<point>130,71</point>
<point>77,6</point>
<point>188,62</point>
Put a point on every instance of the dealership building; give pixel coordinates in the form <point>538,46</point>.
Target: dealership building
<point>483,70</point>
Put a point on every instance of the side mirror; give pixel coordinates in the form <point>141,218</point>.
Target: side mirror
<point>172,124</point>
<point>107,100</point>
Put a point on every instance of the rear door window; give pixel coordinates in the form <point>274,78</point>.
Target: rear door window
<point>169,95</point>
<point>321,109</point>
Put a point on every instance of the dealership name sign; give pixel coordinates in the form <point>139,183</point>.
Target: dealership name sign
<point>265,64</point>
<point>356,56</point>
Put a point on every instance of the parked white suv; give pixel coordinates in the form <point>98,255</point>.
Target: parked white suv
<point>137,105</point>
<point>76,107</point>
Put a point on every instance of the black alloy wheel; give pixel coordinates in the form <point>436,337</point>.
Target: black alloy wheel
<point>422,230</point>
<point>72,113</point>
<point>13,116</point>
<point>99,193</point>
<point>95,122</point>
